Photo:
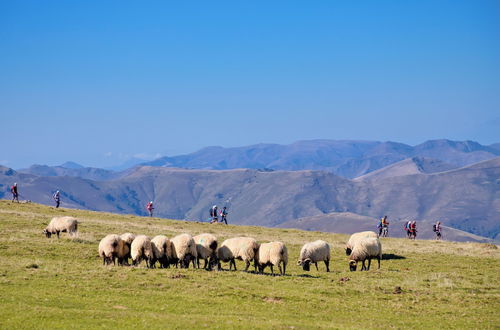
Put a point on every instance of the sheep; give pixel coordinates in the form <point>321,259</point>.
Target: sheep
<point>141,250</point>
<point>312,253</point>
<point>109,248</point>
<point>366,248</point>
<point>356,236</point>
<point>242,248</point>
<point>161,250</point>
<point>61,224</point>
<point>183,250</point>
<point>124,254</point>
<point>272,254</point>
<point>206,247</point>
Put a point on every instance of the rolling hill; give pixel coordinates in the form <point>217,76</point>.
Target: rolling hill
<point>466,198</point>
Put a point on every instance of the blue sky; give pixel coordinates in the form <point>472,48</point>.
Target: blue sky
<point>98,82</point>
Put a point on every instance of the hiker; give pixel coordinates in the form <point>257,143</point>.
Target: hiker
<point>57,198</point>
<point>385,226</point>
<point>413,230</point>
<point>15,194</point>
<point>437,229</point>
<point>407,229</point>
<point>223,215</point>
<point>382,225</point>
<point>150,208</point>
<point>213,214</point>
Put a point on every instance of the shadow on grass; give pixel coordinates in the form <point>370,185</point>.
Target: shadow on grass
<point>391,256</point>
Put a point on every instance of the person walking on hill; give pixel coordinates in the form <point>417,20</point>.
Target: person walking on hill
<point>413,230</point>
<point>223,215</point>
<point>385,227</point>
<point>150,208</point>
<point>383,224</point>
<point>437,230</point>
<point>213,214</point>
<point>57,198</point>
<point>15,194</point>
<point>407,229</point>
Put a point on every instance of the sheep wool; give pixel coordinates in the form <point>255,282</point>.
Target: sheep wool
<point>314,252</point>
<point>272,254</point>
<point>183,250</point>
<point>124,254</point>
<point>60,225</point>
<point>141,250</point>
<point>356,236</point>
<point>109,248</point>
<point>363,249</point>
<point>241,248</point>
<point>206,248</point>
<point>161,250</point>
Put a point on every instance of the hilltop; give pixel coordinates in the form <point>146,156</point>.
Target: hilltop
<point>62,283</point>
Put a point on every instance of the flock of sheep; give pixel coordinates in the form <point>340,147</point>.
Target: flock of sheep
<point>184,249</point>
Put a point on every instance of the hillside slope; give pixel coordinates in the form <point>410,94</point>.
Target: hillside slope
<point>271,198</point>
<point>62,283</point>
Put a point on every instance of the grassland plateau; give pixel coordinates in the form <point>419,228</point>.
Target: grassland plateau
<point>61,283</point>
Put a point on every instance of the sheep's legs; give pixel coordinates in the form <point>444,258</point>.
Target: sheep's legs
<point>378,258</point>
<point>316,266</point>
<point>327,264</point>
<point>272,270</point>
<point>369,263</point>
<point>247,265</point>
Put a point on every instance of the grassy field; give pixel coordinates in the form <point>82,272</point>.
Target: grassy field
<point>62,284</point>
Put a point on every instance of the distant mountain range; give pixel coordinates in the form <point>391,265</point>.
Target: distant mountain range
<point>425,189</point>
<point>349,159</point>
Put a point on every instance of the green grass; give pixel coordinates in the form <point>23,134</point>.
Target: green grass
<point>50,283</point>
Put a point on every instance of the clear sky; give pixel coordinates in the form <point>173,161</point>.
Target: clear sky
<point>98,82</point>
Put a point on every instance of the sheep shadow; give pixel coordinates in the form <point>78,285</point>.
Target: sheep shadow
<point>392,256</point>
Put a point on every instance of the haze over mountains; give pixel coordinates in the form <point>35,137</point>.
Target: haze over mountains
<point>418,187</point>
<point>349,159</point>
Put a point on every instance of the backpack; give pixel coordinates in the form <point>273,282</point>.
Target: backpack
<point>434,229</point>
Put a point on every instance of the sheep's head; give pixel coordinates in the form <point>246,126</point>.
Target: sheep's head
<point>353,265</point>
<point>348,251</point>
<point>306,264</point>
<point>47,233</point>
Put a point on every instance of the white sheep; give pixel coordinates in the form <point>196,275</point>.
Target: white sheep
<point>141,250</point>
<point>124,253</point>
<point>356,236</point>
<point>272,254</point>
<point>314,252</point>
<point>366,248</point>
<point>183,250</point>
<point>242,248</point>
<point>60,225</point>
<point>161,250</point>
<point>206,247</point>
<point>109,248</point>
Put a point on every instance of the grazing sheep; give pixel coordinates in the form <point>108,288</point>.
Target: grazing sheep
<point>242,248</point>
<point>272,254</point>
<point>366,248</point>
<point>206,247</point>
<point>124,254</point>
<point>61,224</point>
<point>183,250</point>
<point>141,250</point>
<point>161,250</point>
<point>109,248</point>
<point>354,237</point>
<point>312,253</point>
